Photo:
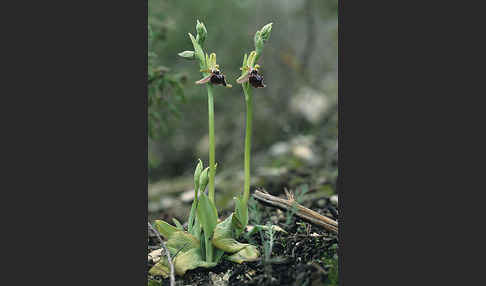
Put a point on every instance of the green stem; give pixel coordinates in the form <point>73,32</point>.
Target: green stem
<point>212,171</point>
<point>249,114</point>
<point>209,249</point>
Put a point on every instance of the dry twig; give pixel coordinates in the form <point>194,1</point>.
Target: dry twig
<point>172,278</point>
<point>301,211</point>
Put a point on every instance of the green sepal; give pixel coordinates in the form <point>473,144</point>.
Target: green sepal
<point>251,59</point>
<point>188,55</point>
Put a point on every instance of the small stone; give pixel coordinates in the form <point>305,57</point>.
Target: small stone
<point>187,196</point>
<point>221,279</point>
<point>334,199</point>
<point>303,152</point>
<point>274,219</point>
<point>310,104</point>
<point>280,148</point>
<point>153,207</point>
<point>321,203</point>
<point>167,202</point>
<point>155,255</point>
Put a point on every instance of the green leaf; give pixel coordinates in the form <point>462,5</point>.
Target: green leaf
<point>161,268</point>
<point>154,283</point>
<point>181,241</point>
<point>207,214</point>
<point>196,229</point>
<point>165,229</point>
<point>247,254</point>
<point>178,224</point>
<point>187,255</point>
<point>189,260</point>
<point>223,237</point>
<point>241,212</point>
<point>192,214</point>
<point>218,253</point>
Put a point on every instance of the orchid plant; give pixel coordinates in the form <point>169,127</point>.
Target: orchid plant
<point>208,238</point>
<point>250,77</point>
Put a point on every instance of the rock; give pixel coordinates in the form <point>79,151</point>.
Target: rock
<point>334,199</point>
<point>202,146</point>
<point>310,104</point>
<point>303,152</point>
<point>167,202</point>
<point>279,148</point>
<point>187,196</point>
<point>155,255</point>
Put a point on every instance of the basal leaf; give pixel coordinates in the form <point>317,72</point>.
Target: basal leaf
<point>161,268</point>
<point>207,214</point>
<point>223,237</point>
<point>181,241</point>
<point>249,253</point>
<point>178,224</point>
<point>165,229</point>
<point>189,260</point>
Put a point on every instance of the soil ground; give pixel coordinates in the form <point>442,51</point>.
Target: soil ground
<point>305,255</point>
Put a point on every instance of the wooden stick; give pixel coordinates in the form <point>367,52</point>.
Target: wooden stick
<point>301,211</point>
<point>172,278</point>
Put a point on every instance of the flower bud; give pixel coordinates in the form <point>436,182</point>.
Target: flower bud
<point>201,32</point>
<point>187,55</point>
<point>197,175</point>
<point>204,179</point>
<point>261,37</point>
<point>266,31</point>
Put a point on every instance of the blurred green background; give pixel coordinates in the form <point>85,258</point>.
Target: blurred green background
<point>295,116</point>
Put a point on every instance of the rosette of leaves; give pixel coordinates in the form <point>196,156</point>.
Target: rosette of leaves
<point>207,238</point>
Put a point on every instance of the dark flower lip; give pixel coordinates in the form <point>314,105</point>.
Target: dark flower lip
<point>256,80</point>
